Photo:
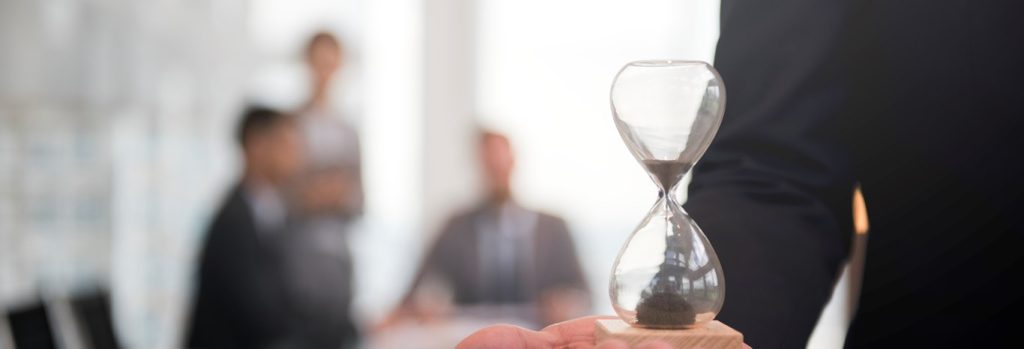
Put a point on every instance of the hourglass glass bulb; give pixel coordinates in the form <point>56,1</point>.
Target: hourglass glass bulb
<point>667,275</point>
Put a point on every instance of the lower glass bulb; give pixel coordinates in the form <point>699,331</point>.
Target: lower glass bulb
<point>667,276</point>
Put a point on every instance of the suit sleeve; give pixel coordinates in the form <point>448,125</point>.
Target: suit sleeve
<point>564,269</point>
<point>773,192</point>
<point>355,205</point>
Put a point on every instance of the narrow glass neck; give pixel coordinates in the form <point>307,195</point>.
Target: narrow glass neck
<point>667,194</point>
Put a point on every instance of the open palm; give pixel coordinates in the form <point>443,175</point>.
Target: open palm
<point>573,334</point>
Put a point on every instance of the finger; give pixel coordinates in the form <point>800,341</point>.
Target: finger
<point>575,331</point>
<point>578,325</point>
<point>583,326</point>
<point>506,337</point>
<point>612,344</point>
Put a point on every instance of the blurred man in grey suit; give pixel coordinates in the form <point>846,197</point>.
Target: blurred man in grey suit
<point>500,257</point>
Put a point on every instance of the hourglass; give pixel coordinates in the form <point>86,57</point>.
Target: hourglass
<point>667,282</point>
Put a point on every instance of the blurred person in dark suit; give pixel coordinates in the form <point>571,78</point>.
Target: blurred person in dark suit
<point>500,253</point>
<point>242,301</point>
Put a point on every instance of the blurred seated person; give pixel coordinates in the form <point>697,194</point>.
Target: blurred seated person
<point>500,258</point>
<point>241,300</point>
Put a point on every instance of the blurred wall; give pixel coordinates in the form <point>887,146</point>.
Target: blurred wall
<point>112,116</point>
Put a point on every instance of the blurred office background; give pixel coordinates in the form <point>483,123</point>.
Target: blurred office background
<point>116,120</point>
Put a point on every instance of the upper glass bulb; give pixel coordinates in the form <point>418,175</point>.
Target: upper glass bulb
<point>667,275</point>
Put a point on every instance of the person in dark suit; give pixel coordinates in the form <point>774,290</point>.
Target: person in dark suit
<point>242,301</point>
<point>917,101</point>
<point>500,254</point>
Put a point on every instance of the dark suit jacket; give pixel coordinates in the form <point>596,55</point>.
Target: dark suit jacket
<point>455,257</point>
<point>240,302</point>
<point>251,293</point>
<point>922,103</point>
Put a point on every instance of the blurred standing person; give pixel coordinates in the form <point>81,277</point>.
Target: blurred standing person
<point>333,179</point>
<point>242,300</point>
<point>327,197</point>
<point>500,256</point>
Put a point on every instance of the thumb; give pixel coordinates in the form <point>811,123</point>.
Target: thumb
<point>612,344</point>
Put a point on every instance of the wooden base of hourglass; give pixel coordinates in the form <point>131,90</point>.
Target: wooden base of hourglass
<point>711,335</point>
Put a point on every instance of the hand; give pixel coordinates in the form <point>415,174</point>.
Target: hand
<point>573,334</point>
